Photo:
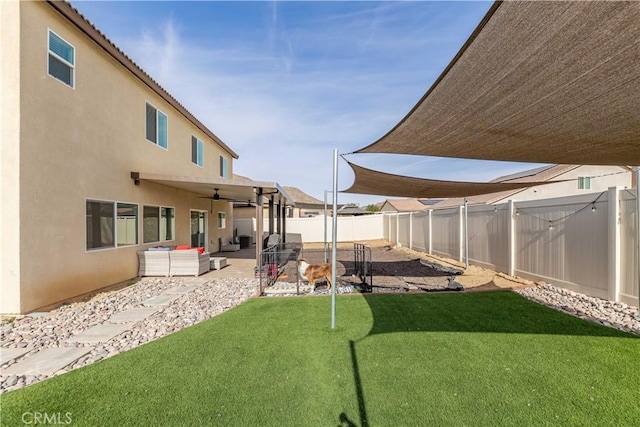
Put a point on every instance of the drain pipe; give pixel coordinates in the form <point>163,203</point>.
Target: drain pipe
<point>637,260</point>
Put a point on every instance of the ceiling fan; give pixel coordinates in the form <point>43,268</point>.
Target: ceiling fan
<point>216,197</point>
<point>241,204</point>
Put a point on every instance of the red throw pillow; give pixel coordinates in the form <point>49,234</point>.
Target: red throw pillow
<point>182,247</point>
<point>201,249</point>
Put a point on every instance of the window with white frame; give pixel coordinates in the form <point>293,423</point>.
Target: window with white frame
<point>111,224</point>
<point>158,223</point>
<point>156,126</point>
<point>223,166</point>
<point>222,220</point>
<point>61,59</point>
<point>197,151</point>
<point>584,183</point>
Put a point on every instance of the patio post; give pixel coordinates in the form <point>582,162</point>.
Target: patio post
<point>271,215</point>
<point>259,228</point>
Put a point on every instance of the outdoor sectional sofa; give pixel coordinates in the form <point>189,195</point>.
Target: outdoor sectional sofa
<point>173,262</point>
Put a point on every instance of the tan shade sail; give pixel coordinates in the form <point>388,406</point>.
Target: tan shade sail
<point>377,183</point>
<point>540,82</point>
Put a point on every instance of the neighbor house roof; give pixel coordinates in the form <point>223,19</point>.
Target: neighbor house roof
<point>84,25</point>
<point>353,210</point>
<point>537,175</point>
<point>302,199</point>
<point>405,205</point>
<point>543,82</point>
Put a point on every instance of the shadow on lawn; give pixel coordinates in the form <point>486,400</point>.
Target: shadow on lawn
<point>343,419</point>
<point>483,312</point>
<point>497,312</point>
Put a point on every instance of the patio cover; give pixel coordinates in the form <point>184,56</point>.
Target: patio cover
<point>240,189</point>
<point>543,82</point>
<point>236,188</point>
<point>368,181</point>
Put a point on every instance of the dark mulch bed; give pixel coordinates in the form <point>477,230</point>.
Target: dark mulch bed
<point>393,271</point>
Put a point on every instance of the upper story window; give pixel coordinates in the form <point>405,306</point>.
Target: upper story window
<point>197,151</point>
<point>61,60</point>
<point>157,126</point>
<point>223,167</point>
<point>584,183</point>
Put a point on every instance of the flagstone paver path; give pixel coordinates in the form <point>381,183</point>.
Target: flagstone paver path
<point>42,345</point>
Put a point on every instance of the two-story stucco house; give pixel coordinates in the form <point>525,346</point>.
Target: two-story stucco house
<point>78,117</point>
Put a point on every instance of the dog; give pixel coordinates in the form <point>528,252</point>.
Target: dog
<point>313,272</point>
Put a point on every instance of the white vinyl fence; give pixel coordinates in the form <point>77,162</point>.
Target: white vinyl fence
<point>585,243</point>
<point>350,228</point>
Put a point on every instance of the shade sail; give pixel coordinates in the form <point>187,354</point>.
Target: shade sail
<point>377,183</point>
<point>540,82</point>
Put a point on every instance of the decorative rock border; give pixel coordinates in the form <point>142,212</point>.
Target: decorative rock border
<point>53,330</point>
<point>612,314</point>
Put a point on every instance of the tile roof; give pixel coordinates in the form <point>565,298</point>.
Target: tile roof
<point>406,205</point>
<point>302,199</point>
<point>545,173</point>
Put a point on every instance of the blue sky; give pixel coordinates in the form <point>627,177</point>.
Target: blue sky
<point>284,83</point>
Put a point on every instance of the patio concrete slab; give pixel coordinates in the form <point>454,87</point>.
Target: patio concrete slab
<point>133,315</point>
<point>8,354</point>
<point>100,333</point>
<point>180,290</point>
<point>160,301</point>
<point>47,361</point>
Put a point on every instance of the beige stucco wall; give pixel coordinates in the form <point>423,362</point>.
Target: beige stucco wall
<point>82,143</point>
<point>9,157</point>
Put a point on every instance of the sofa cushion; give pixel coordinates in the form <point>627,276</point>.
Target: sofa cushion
<point>182,247</point>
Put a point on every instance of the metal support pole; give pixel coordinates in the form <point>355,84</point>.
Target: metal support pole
<point>259,228</point>
<point>466,233</point>
<point>334,253</point>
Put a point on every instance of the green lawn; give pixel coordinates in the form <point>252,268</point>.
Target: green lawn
<point>393,360</point>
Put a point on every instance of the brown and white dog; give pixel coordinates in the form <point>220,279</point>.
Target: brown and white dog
<point>313,272</point>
